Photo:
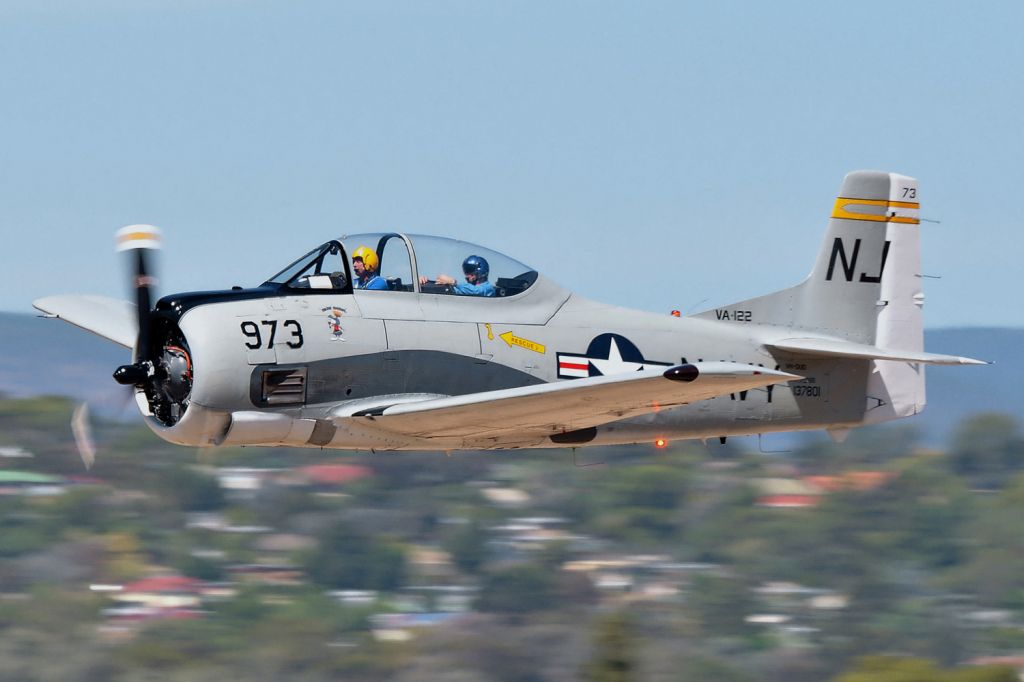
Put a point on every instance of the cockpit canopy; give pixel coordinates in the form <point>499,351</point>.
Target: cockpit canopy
<point>407,263</point>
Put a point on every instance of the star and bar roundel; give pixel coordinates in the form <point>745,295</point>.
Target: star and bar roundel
<point>606,355</point>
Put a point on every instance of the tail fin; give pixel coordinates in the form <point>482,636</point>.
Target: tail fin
<point>866,282</point>
<point>865,286</point>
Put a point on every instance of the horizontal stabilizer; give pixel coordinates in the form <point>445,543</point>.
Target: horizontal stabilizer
<point>848,349</point>
<point>107,317</point>
<point>558,407</point>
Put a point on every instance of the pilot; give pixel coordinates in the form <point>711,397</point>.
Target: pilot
<point>364,264</point>
<point>476,270</point>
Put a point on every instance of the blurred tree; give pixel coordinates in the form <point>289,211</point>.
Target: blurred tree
<point>867,446</point>
<point>43,414</point>
<point>500,659</point>
<point>639,503</point>
<point>82,508</point>
<point>987,449</point>
<point>614,650</point>
<point>58,610</point>
<point>276,505</point>
<point>467,544</point>
<point>192,490</point>
<point>200,567</point>
<point>517,590</point>
<point>721,604</point>
<point>23,530</point>
<point>927,509</point>
<point>993,571</point>
<point>124,560</point>
<point>896,669</point>
<point>703,668</point>
<point>346,558</point>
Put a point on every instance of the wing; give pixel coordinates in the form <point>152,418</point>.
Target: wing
<point>107,317</point>
<point>553,408</point>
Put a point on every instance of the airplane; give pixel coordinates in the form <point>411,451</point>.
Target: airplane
<point>310,359</point>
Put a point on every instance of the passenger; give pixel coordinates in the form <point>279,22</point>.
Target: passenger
<point>476,270</point>
<point>364,265</point>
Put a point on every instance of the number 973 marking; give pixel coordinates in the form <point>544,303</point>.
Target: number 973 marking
<point>268,335</point>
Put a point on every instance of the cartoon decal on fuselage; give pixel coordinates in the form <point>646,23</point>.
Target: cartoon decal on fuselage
<point>424,365</point>
<point>334,322</point>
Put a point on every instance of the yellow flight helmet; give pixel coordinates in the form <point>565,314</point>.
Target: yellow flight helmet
<point>368,256</point>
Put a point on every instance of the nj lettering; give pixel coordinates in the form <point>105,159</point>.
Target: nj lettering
<point>849,265</point>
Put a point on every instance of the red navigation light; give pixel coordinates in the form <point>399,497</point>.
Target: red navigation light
<point>676,313</point>
<point>660,443</point>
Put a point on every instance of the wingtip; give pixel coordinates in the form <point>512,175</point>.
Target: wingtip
<point>777,375</point>
<point>40,304</point>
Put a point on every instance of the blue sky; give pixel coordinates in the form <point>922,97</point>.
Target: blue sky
<point>656,155</point>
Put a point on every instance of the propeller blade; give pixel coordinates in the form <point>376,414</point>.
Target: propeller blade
<point>82,432</point>
<point>142,241</point>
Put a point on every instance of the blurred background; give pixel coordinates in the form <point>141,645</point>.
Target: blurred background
<point>893,556</point>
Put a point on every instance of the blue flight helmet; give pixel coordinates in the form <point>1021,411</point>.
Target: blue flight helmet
<point>476,265</point>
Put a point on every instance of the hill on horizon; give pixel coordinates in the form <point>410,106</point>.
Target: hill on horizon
<point>50,357</point>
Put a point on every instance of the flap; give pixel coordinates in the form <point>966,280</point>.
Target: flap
<point>558,407</point>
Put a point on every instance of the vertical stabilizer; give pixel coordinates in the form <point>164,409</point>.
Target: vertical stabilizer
<point>870,254</point>
<point>865,287</point>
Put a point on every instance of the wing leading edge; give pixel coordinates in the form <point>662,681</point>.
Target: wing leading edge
<point>559,407</point>
<point>109,318</point>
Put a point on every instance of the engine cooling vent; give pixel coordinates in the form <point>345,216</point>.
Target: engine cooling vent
<point>284,387</point>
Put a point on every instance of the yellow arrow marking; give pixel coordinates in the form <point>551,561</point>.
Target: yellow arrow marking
<point>513,340</point>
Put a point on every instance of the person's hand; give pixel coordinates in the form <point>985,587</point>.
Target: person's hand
<point>423,279</point>
<point>445,279</point>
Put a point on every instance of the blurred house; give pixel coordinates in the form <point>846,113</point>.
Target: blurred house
<point>529,534</point>
<point>808,491</point>
<point>31,483</point>
<point>638,577</point>
<point>154,598</point>
<point>401,627</point>
<point>431,563</point>
<point>284,543</point>
<point>216,522</point>
<point>787,493</point>
<point>506,497</point>
<point>266,574</point>
<point>330,476</point>
<point>243,480</point>
<point>851,480</point>
<point>1014,662</point>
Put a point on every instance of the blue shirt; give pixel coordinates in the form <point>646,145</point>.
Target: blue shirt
<point>376,282</point>
<point>482,289</point>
